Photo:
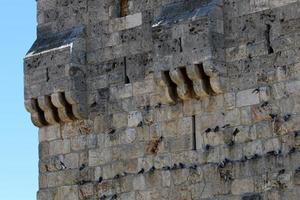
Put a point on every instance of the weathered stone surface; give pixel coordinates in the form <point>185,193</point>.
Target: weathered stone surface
<point>166,99</point>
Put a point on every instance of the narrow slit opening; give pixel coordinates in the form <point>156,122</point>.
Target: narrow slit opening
<point>47,75</point>
<point>180,45</point>
<point>127,80</point>
<point>267,35</point>
<point>194,132</point>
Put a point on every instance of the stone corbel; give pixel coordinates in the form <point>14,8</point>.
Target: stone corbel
<point>78,101</point>
<point>214,70</point>
<point>64,109</point>
<point>37,117</point>
<point>167,93</point>
<point>184,90</point>
<point>193,81</point>
<point>50,112</point>
<point>200,87</point>
<point>59,107</point>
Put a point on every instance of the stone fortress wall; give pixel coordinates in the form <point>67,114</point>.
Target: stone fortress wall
<point>166,99</point>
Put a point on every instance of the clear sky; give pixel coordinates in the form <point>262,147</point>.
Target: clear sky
<point>18,137</point>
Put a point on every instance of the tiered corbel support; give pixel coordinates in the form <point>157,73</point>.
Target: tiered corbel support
<point>60,107</point>
<point>193,81</point>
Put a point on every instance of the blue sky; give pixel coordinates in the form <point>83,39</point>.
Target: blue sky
<point>18,137</point>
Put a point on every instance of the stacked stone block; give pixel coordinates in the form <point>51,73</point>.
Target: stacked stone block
<point>165,99</point>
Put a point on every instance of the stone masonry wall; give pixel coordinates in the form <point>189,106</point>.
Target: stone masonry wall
<point>166,99</point>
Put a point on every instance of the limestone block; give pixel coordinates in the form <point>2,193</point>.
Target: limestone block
<point>99,156</point>
<point>145,163</point>
<point>272,145</point>
<point>71,160</point>
<point>252,148</point>
<point>134,20</point>
<point>229,100</point>
<point>143,195</point>
<point>78,143</point>
<point>139,183</point>
<point>67,193</point>
<point>293,87</point>
<point>143,87</point>
<point>242,186</point>
<point>119,120</point>
<point>121,92</point>
<point>247,97</point>
<point>161,161</point>
<point>86,191</point>
<point>278,90</point>
<point>49,133</point>
<point>166,178</point>
<point>59,147</point>
<point>130,136</point>
<point>245,115</point>
<point>232,117</point>
<point>134,118</point>
<point>192,107</point>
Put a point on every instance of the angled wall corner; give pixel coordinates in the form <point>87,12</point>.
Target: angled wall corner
<point>55,85</point>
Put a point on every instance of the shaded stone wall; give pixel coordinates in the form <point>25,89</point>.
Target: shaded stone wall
<point>166,99</point>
